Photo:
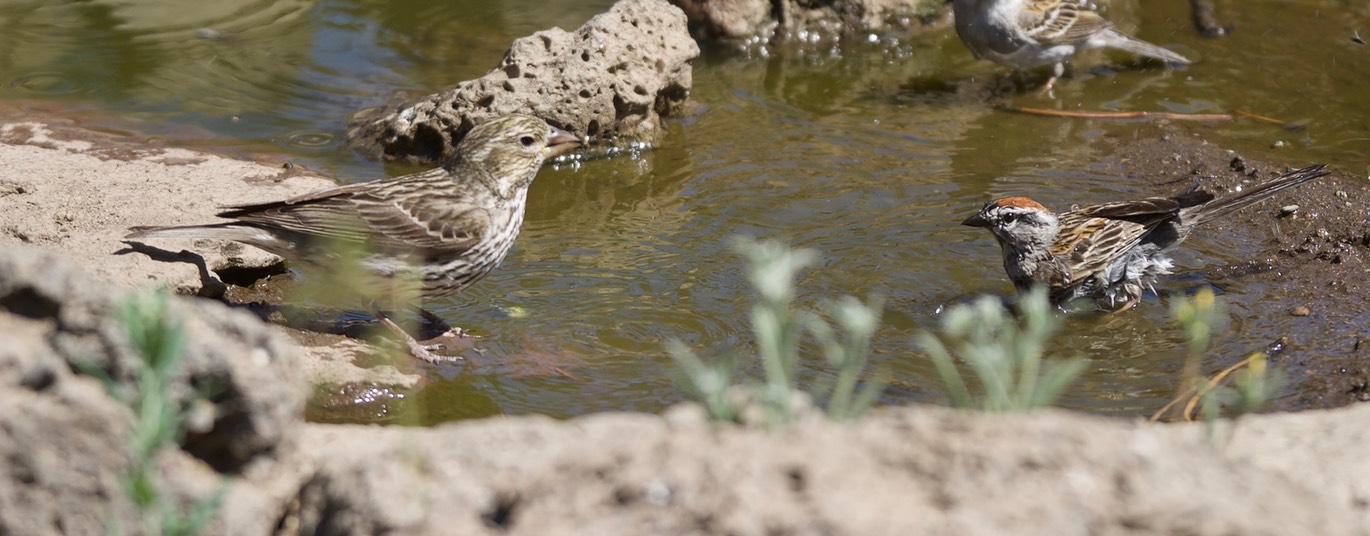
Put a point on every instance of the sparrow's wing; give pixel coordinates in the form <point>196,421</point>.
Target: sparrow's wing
<point>415,212</point>
<point>1052,22</point>
<point>1093,237</point>
<point>1089,244</point>
<point>1147,210</point>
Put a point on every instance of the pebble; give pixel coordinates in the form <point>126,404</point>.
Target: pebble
<point>1288,210</point>
<point>1237,164</point>
<point>1301,310</point>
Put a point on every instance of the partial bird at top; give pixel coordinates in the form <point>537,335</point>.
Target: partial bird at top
<point>1026,34</point>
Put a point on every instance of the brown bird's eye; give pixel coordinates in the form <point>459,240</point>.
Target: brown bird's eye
<point>1008,218</point>
<point>527,141</point>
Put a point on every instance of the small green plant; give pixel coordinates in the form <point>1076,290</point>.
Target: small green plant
<point>159,420</point>
<point>846,349</point>
<point>779,328</point>
<point>1197,317</point>
<point>1004,353</point>
<point>1253,386</point>
<point>157,339</point>
<point>1253,381</point>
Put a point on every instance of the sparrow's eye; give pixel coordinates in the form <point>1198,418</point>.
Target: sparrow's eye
<point>1008,218</point>
<point>527,141</point>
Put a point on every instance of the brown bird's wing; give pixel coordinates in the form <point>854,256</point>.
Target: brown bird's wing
<point>1053,22</point>
<point>1100,234</point>
<point>382,215</point>
<point>326,213</point>
<point>435,224</point>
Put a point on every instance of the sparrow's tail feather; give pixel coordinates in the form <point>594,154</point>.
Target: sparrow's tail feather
<point>1230,204</point>
<point>1141,48</point>
<point>222,231</point>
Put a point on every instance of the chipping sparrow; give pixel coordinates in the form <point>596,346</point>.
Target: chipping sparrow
<point>428,234</point>
<point>1026,34</point>
<point>1108,253</point>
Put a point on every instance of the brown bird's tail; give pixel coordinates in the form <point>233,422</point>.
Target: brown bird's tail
<point>1141,48</point>
<point>221,231</point>
<point>1233,203</point>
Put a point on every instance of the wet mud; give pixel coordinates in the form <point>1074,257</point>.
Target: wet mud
<point>1312,245</point>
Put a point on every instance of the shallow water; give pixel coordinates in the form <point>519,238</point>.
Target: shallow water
<point>869,153</point>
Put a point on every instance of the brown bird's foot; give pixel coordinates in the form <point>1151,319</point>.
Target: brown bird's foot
<point>421,351</point>
<point>435,323</point>
<point>1046,90</point>
<point>455,340</point>
<point>1123,306</point>
<point>458,333</point>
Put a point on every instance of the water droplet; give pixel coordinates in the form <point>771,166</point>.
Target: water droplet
<point>310,139</point>
<point>45,83</point>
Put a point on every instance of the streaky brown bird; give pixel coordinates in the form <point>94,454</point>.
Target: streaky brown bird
<point>425,235</point>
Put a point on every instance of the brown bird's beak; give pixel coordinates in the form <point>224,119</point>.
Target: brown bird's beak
<point>978,220</point>
<point>559,142</point>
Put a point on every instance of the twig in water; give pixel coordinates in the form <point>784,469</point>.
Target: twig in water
<point>1117,115</point>
<point>1187,414</point>
<point>1265,119</point>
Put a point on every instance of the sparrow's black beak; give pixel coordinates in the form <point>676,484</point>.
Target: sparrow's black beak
<point>559,142</point>
<point>978,220</point>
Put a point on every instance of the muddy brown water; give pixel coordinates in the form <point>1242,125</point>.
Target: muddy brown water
<point>869,152</point>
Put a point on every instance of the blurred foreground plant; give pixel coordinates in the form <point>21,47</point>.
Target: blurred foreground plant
<point>1004,353</point>
<point>1252,384</point>
<point>779,328</point>
<point>160,421</point>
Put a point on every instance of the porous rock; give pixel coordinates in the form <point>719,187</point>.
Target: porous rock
<point>66,439</point>
<point>616,76</point>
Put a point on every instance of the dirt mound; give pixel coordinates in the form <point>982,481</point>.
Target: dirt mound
<point>67,442</point>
